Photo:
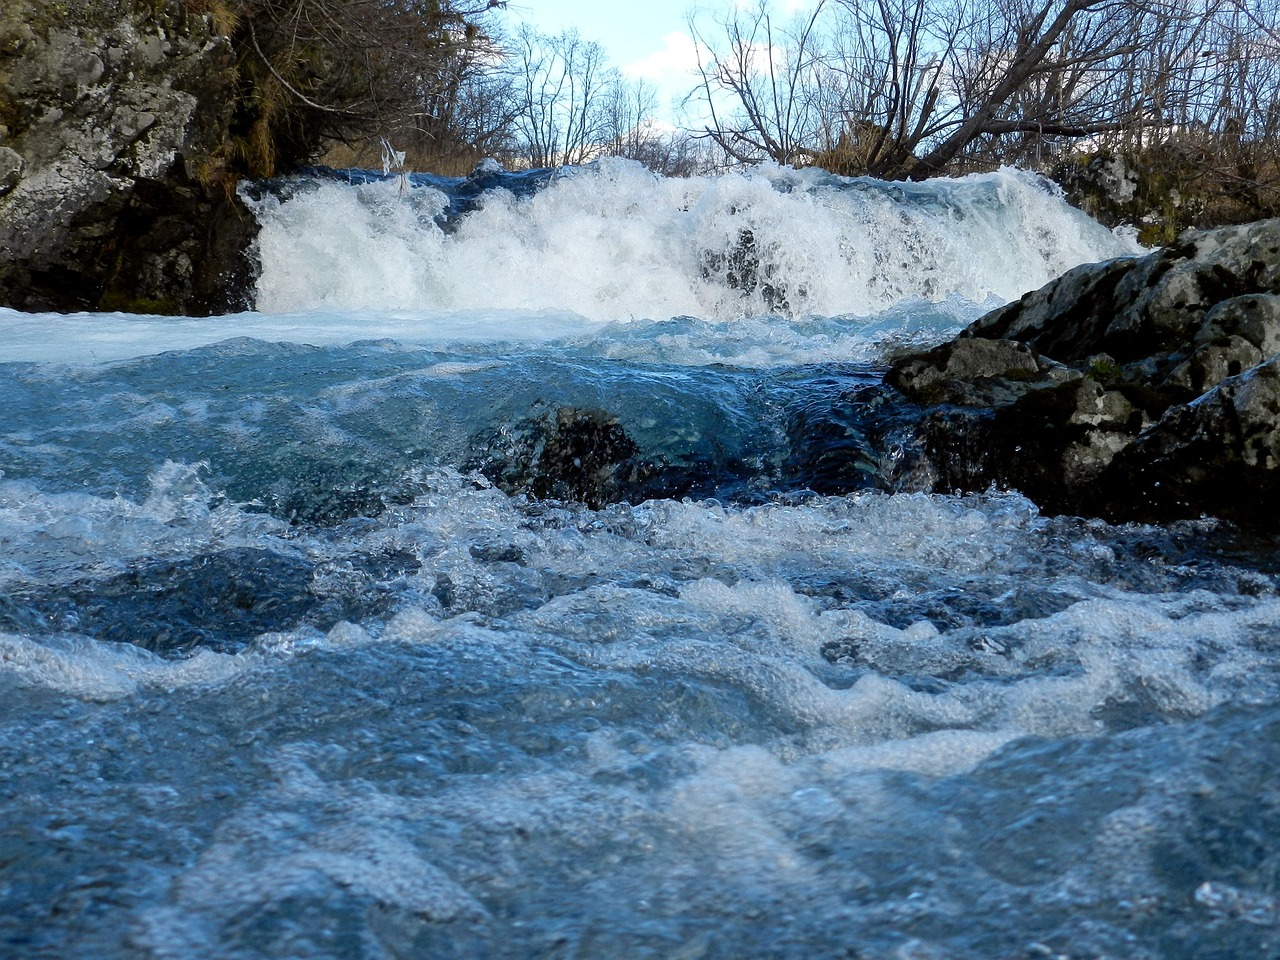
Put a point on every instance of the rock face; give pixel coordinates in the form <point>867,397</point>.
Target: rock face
<point>1138,389</point>
<point>112,116</point>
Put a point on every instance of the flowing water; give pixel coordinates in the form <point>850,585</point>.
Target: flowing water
<point>527,580</point>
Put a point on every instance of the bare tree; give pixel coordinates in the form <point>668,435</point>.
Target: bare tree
<point>312,70</point>
<point>630,110</point>
<point>564,86</point>
<point>769,76</point>
<point>897,62</point>
<point>1056,73</point>
<point>912,88</point>
<point>465,104</point>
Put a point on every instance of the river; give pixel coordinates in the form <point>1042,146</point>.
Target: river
<point>518,581</point>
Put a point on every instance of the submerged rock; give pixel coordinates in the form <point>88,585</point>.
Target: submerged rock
<point>585,456</point>
<point>1137,389</point>
<point>220,600</point>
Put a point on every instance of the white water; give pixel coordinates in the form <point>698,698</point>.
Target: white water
<point>396,712</point>
<point>614,242</point>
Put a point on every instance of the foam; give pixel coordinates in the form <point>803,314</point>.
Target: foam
<point>614,242</point>
<point>52,537</point>
<point>87,338</point>
<point>102,671</point>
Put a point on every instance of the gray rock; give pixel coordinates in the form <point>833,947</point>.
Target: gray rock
<point>1133,309</point>
<point>11,164</point>
<point>108,110</point>
<point>972,372</point>
<point>1136,389</point>
<point>1211,363</point>
<point>1217,456</point>
<point>1256,317</point>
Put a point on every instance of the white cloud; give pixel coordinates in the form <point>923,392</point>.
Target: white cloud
<point>673,64</point>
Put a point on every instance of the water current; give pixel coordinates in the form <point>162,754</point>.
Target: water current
<point>522,580</point>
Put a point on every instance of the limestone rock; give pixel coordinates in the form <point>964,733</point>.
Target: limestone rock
<point>1211,363</point>
<point>1133,309</point>
<point>11,164</point>
<point>1256,317</point>
<point>108,114</point>
<point>1219,455</point>
<point>1141,388</point>
<point>973,372</point>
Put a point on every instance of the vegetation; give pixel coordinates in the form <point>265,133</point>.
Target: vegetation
<point>911,88</point>
<point>312,72</point>
<point>1186,92</point>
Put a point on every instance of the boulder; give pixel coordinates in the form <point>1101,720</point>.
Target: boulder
<point>1218,455</point>
<point>113,117</point>
<point>1136,309</point>
<point>579,455</point>
<point>1138,389</point>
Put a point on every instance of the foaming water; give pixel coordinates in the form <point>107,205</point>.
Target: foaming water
<point>431,630</point>
<point>902,722</point>
<point>95,337</point>
<point>612,241</point>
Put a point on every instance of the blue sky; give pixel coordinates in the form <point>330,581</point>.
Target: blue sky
<point>648,39</point>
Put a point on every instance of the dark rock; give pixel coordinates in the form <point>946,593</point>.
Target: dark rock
<point>1219,455</point>
<point>844,442</point>
<point>326,498</point>
<point>747,267</point>
<point>584,456</point>
<point>221,600</point>
<point>1135,389</point>
<point>113,132</point>
<point>1211,363</point>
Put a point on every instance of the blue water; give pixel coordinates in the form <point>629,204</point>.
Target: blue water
<point>356,630</point>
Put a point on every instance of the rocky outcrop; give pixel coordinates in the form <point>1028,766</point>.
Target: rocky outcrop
<point>1185,181</point>
<point>1143,388</point>
<point>113,119</point>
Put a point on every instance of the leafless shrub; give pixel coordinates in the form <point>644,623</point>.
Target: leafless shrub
<point>913,88</point>
<point>311,71</point>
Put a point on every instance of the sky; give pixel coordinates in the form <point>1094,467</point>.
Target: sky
<point>648,39</point>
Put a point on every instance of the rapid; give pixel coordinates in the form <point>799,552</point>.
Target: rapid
<point>517,581</point>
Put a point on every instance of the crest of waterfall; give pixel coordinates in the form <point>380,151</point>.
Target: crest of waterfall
<point>612,241</point>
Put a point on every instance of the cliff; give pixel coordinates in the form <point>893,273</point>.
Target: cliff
<point>114,121</point>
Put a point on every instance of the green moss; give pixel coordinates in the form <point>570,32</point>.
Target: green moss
<point>115,301</point>
<point>1104,369</point>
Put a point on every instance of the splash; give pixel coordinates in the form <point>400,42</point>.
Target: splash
<point>614,242</point>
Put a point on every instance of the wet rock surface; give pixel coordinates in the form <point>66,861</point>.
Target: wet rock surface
<point>112,119</point>
<point>221,601</point>
<point>571,454</point>
<point>1138,389</point>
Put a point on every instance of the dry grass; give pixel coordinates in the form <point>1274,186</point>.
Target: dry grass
<point>224,15</point>
<point>1193,180</point>
<point>368,156</point>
